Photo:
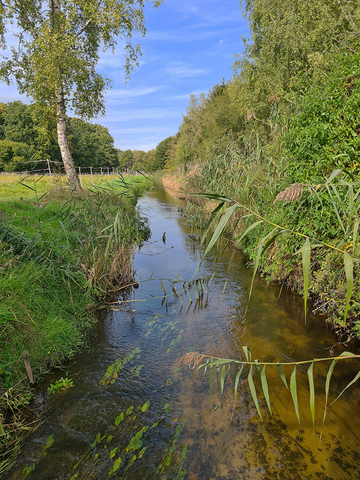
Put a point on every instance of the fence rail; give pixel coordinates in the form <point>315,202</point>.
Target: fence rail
<point>107,172</point>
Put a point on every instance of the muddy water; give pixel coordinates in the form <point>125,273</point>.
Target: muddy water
<point>150,417</point>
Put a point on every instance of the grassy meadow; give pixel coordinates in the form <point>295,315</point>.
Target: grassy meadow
<point>61,252</point>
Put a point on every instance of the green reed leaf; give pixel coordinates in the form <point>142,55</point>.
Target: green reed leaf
<point>252,226</point>
<point>355,232</point>
<point>220,228</point>
<point>265,388</point>
<point>306,251</point>
<point>211,218</point>
<point>310,374</point>
<point>211,375</point>
<point>293,391</point>
<point>282,375</point>
<point>355,379</point>
<point>253,392</point>
<point>247,352</point>
<point>327,386</point>
<point>349,281</point>
<point>237,379</point>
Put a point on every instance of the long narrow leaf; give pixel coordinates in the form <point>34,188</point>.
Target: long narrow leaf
<point>208,225</point>
<point>248,230</point>
<point>349,281</point>
<point>306,250</point>
<point>237,379</point>
<point>282,375</point>
<point>327,386</point>
<point>265,388</point>
<point>355,379</point>
<point>293,391</point>
<point>220,228</point>
<point>253,392</point>
<point>310,374</point>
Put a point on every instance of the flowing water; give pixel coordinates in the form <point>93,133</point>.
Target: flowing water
<point>150,417</point>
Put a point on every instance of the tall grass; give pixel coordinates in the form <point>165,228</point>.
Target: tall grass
<point>59,255</point>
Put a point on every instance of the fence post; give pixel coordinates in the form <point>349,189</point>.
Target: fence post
<point>108,174</point>
<point>92,180</point>
<point>113,173</point>
<point>101,172</point>
<point>48,162</point>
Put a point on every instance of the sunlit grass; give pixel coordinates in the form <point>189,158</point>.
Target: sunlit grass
<point>33,187</point>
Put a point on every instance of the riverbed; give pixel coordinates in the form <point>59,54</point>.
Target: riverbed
<point>138,411</point>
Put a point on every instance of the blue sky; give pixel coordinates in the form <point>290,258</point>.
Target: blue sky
<point>189,46</point>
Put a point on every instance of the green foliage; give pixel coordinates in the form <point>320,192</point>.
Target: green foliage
<point>323,132</point>
<point>60,385</point>
<point>225,364</point>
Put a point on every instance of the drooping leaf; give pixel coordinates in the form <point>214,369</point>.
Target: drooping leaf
<point>355,379</point>
<point>293,391</point>
<point>306,250</point>
<point>310,374</point>
<point>253,392</point>
<point>220,228</point>
<point>282,375</point>
<point>349,281</point>
<point>327,386</point>
<point>265,388</point>
<point>237,379</point>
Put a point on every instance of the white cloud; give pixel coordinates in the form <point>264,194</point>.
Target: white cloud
<point>183,70</point>
<point>124,93</point>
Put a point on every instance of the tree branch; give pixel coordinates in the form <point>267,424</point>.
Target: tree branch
<point>84,27</point>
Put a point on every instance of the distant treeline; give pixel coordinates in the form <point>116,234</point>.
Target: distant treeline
<point>23,140</point>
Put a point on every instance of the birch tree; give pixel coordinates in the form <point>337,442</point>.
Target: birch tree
<point>54,61</point>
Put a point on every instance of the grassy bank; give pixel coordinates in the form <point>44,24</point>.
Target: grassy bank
<point>276,216</point>
<point>59,255</point>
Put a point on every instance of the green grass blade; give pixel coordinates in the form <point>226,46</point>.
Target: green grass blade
<point>335,209</point>
<point>349,281</point>
<point>265,388</point>
<point>310,374</point>
<point>208,225</point>
<point>247,352</point>
<point>252,226</point>
<point>355,379</point>
<point>282,375</point>
<point>253,392</point>
<point>220,228</point>
<point>355,232</point>
<point>327,386</point>
<point>306,250</point>
<point>237,379</point>
<point>293,391</point>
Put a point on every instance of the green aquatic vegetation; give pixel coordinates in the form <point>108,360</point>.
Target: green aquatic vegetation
<point>175,341</point>
<point>136,370</point>
<point>60,385</point>
<point>112,371</point>
<point>27,470</point>
<point>168,456</point>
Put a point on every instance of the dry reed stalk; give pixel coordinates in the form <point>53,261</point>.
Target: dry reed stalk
<point>192,359</point>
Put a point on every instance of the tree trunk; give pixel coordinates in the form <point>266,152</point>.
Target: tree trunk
<point>66,156</point>
<point>73,179</point>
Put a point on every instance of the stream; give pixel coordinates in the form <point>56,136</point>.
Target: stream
<point>138,412</point>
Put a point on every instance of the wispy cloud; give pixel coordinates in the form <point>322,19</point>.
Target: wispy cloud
<point>183,70</point>
<point>124,93</point>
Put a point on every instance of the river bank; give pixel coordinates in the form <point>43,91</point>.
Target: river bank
<point>60,255</point>
<point>298,214</point>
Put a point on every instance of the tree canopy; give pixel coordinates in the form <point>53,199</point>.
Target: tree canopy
<point>55,61</point>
